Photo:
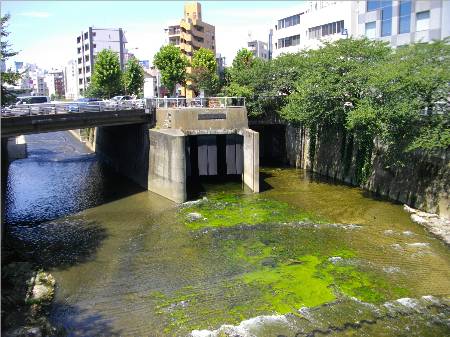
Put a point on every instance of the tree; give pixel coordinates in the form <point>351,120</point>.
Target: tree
<point>107,76</point>
<point>133,77</point>
<point>9,77</point>
<point>204,72</point>
<point>244,59</point>
<point>172,65</point>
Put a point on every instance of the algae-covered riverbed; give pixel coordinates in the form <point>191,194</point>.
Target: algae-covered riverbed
<point>304,257</point>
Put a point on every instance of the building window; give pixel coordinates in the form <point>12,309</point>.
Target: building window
<point>80,81</point>
<point>88,79</point>
<point>94,33</point>
<point>80,71</point>
<point>404,20</point>
<point>79,50</point>
<point>373,5</point>
<point>88,69</point>
<point>86,58</point>
<point>289,41</point>
<point>386,18</point>
<point>86,35</point>
<point>327,29</point>
<point>289,21</point>
<point>78,39</point>
<point>371,30</point>
<point>423,21</point>
<point>79,60</point>
<point>86,47</point>
<point>94,46</point>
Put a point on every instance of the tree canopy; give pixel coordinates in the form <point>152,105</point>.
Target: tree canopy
<point>133,77</point>
<point>9,77</point>
<point>107,77</point>
<point>203,74</point>
<point>172,65</point>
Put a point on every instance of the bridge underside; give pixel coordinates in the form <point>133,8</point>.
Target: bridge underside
<point>23,125</point>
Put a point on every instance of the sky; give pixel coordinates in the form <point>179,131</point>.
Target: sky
<point>44,32</point>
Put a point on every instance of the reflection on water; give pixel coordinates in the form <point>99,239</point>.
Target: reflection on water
<point>128,263</point>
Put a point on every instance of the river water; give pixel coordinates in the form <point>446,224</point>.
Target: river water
<point>305,257</point>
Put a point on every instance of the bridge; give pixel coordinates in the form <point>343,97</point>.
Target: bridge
<point>161,144</point>
<point>36,118</point>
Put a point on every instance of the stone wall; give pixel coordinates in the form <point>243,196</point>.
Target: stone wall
<point>423,182</point>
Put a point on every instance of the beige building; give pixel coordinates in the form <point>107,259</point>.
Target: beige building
<point>192,34</point>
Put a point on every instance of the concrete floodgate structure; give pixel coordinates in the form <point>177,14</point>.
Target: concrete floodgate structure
<point>194,142</point>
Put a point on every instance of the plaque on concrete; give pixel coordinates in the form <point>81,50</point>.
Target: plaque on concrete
<point>208,116</point>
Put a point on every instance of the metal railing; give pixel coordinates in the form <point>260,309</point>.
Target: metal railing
<point>111,105</point>
<point>71,107</point>
<point>207,102</point>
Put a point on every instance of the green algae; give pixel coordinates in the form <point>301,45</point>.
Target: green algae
<point>273,280</point>
<point>226,210</point>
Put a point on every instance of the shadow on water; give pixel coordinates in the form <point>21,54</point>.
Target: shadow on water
<point>59,244</point>
<point>79,322</point>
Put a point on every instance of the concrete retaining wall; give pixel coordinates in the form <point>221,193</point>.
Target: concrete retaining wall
<point>423,183</point>
<point>167,170</point>
<point>251,159</point>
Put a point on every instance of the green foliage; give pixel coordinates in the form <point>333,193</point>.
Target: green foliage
<point>204,58</point>
<point>368,91</point>
<point>172,65</point>
<point>133,77</point>
<point>243,60</point>
<point>9,77</point>
<point>204,72</point>
<point>107,76</point>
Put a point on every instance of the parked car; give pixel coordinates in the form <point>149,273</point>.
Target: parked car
<point>121,98</point>
<point>32,100</point>
<point>82,103</point>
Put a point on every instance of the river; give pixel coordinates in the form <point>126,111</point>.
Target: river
<point>305,257</point>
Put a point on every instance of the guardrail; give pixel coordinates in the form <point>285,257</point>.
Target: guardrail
<point>71,107</point>
<point>77,107</point>
<point>207,102</point>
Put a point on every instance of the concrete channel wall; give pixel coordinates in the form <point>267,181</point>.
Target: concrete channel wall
<point>204,142</point>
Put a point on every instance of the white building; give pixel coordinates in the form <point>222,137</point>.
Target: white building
<point>314,22</point>
<point>259,49</point>
<point>152,83</point>
<point>404,22</point>
<point>71,80</point>
<point>397,22</point>
<point>38,85</point>
<point>54,81</point>
<point>89,44</point>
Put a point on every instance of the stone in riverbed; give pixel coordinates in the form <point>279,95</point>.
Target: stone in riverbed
<point>194,216</point>
<point>42,288</point>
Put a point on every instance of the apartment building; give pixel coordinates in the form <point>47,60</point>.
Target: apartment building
<point>259,49</point>
<point>404,22</point>
<point>398,22</point>
<point>54,81</point>
<point>191,34</point>
<point>314,22</point>
<point>38,85</point>
<point>89,44</point>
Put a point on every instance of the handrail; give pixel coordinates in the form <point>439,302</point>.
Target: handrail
<point>112,105</point>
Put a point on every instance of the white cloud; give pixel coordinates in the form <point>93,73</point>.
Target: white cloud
<point>41,15</point>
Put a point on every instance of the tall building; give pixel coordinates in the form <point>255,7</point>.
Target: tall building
<point>398,22</point>
<point>404,22</point>
<point>71,80</point>
<point>259,49</point>
<point>192,34</point>
<point>90,43</point>
<point>314,22</point>
<point>38,85</point>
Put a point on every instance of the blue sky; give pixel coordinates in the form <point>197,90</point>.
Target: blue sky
<point>45,31</point>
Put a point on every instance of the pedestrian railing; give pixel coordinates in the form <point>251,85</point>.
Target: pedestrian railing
<point>112,105</point>
<point>207,102</point>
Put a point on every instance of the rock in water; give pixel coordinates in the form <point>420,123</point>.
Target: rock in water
<point>194,216</point>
